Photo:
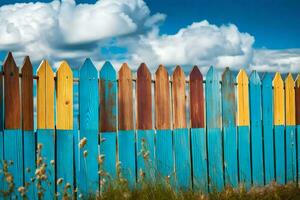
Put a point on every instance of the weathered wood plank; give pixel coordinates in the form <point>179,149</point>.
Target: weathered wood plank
<point>290,129</point>
<point>256,129</point>
<point>179,99</point>
<point>1,125</point>
<point>162,99</point>
<point>229,128</point>
<point>108,122</point>
<point>297,101</point>
<point>45,96</point>
<point>64,97</point>
<point>196,99</point>
<point>267,115</point>
<point>243,129</point>
<point>12,102</point>
<point>164,147</point>
<point>278,99</point>
<point>214,135</point>
<point>87,174</point>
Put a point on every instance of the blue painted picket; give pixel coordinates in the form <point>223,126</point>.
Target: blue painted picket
<point>87,172</point>
<point>229,129</point>
<point>108,115</point>
<point>267,120</point>
<point>214,134</point>
<point>291,158</point>
<point>1,127</point>
<point>256,129</point>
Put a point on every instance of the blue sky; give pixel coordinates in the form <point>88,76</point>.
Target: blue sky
<point>261,35</point>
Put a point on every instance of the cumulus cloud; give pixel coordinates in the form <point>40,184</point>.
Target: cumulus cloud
<point>126,31</point>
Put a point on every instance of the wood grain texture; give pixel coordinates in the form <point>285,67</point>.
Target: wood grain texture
<point>45,96</point>
<point>242,99</point>
<point>125,100</point>
<point>162,99</point>
<point>290,111</point>
<point>12,106</point>
<point>179,99</point>
<point>278,94</point>
<point>27,95</point>
<point>64,97</point>
<point>143,97</point>
<point>297,95</point>
<point>108,98</point>
<point>196,99</point>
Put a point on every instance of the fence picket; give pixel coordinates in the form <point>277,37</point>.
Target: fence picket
<point>145,134</point>
<point>279,135</point>
<point>64,129</point>
<point>290,129</point>
<point>198,133</point>
<point>267,115</point>
<point>126,134</point>
<point>1,126</point>
<point>243,129</point>
<point>87,174</point>
<point>181,133</point>
<point>45,126</point>
<point>108,123</point>
<point>28,131</point>
<point>164,147</point>
<point>13,144</point>
<point>214,135</point>
<point>256,129</point>
<point>297,103</point>
<point>229,129</point>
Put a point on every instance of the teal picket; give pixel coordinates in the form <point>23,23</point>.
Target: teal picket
<point>280,153</point>
<point>267,128</point>
<point>291,158</point>
<point>108,111</point>
<point>229,129</point>
<point>214,135</point>
<point>1,127</point>
<point>87,171</point>
<point>256,129</point>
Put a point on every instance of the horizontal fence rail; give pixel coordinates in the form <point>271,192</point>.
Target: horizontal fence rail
<point>75,133</point>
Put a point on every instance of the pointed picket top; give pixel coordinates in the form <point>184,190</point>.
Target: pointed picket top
<point>27,95</point>
<point>196,98</point>
<point>88,67</point>
<point>297,94</point>
<point>290,111</point>
<point>64,97</point>
<point>242,99</point>
<point>11,96</point>
<point>254,78</point>
<point>278,95</point>
<point>45,96</point>
<point>267,79</point>
<point>125,99</point>
<point>212,75</point>
<point>108,72</point>
<point>178,91</point>
<point>228,96</point>
<point>162,99</point>
<point>144,99</point>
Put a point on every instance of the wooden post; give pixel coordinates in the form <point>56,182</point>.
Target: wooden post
<point>45,126</point>
<point>243,129</point>
<point>126,134</point>
<point>164,147</point>
<point>214,134</point>
<point>267,120</point>
<point>13,144</point>
<point>278,95</point>
<point>87,174</point>
<point>256,129</point>
<point>181,132</point>
<point>229,128</point>
<point>198,132</point>
<point>145,133</point>
<point>108,119</point>
<point>28,130</point>
<point>290,130</point>
<point>64,129</point>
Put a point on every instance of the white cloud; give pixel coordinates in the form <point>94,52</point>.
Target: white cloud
<point>66,30</point>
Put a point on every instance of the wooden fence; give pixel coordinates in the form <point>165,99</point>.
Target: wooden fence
<point>189,133</point>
